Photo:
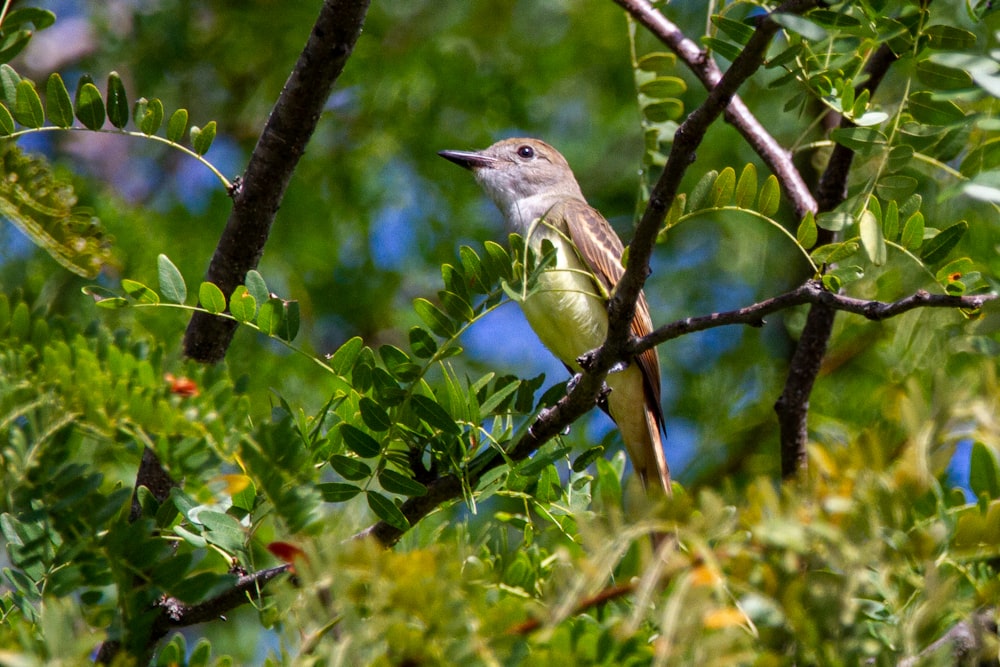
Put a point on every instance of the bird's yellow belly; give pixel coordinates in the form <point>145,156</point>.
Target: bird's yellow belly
<point>565,311</point>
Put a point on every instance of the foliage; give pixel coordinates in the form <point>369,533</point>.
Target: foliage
<point>282,457</point>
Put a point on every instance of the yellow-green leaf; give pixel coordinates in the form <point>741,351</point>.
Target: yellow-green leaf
<point>770,196</point>
<point>211,298</point>
<point>871,238</point>
<point>58,103</point>
<point>176,126</point>
<point>28,109</point>
<point>807,233</point>
<point>746,188</point>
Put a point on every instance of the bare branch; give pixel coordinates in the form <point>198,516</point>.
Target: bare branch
<point>281,144</point>
<point>811,292</point>
<point>177,614</point>
<point>964,643</point>
<point>736,114</point>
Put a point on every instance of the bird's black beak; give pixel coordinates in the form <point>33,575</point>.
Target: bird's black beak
<point>468,159</point>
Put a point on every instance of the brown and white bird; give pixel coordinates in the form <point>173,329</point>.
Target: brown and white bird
<point>535,189</point>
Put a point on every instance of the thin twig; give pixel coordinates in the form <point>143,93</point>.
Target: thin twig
<point>814,293</point>
<point>737,114</point>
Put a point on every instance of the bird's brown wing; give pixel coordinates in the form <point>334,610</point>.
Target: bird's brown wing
<point>601,250</point>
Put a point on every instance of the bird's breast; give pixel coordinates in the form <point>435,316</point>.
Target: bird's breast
<point>564,309</point>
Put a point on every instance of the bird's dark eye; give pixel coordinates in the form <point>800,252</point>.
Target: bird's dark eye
<point>526,152</point>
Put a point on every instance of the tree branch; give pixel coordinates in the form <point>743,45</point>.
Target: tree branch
<point>257,197</point>
<point>177,614</point>
<point>688,137</point>
<point>736,114</point>
<point>814,293</point>
<point>792,407</point>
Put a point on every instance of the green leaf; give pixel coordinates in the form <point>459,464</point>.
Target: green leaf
<point>942,77</point>
<point>270,316</point>
<point>290,320</point>
<point>359,442</point>
<point>586,458</point>
<point>785,57</point>
<point>242,305</point>
<point>830,19</point>
<point>662,111</point>
<point>12,43</point>
<point>937,248</point>
<point>890,223</point>
<point>900,157</point>
<point>103,297</point>
<point>89,106</point>
<point>432,316</point>
<point>861,140</point>
<point>28,109</point>
<point>373,415</point>
<point>9,79</point>
<point>984,157</point>
<point>211,298</point>
<point>949,38</point>
<point>954,270</point>
<point>457,307</point>
<point>148,115</point>
<point>140,292</point>
<point>422,343</point>
<point>337,492</point>
<point>350,468</point>
<point>746,188</point>
<point>117,102</point>
<point>202,138</point>
<point>172,285</point>
<point>386,510</point>
<point>701,191</point>
<point>834,252</point>
<point>346,355</point>
<point>176,126</point>
<point>723,188</point>
<point>871,238</point>
<point>910,206</point>
<point>664,87</point>
<point>895,187</point>
<point>58,103</point>
<point>40,18</point>
<point>913,232</point>
<point>799,25</point>
<point>256,285</point>
<point>923,106</point>
<point>834,221</point>
<point>658,61</point>
<point>737,31</point>
<point>984,472</point>
<point>6,121</point>
<point>497,262</point>
<point>727,50</point>
<point>396,482</point>
<point>431,412</point>
<point>807,233</point>
<point>770,197</point>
